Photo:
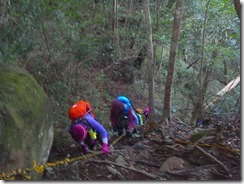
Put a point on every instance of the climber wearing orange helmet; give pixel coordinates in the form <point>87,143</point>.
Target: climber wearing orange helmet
<point>85,129</point>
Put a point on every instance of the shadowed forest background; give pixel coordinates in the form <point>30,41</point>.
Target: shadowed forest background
<point>177,59</point>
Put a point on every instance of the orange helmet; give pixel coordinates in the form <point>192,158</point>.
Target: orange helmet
<point>79,109</point>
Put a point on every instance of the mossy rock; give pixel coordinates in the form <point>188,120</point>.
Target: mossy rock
<point>199,133</point>
<point>26,123</point>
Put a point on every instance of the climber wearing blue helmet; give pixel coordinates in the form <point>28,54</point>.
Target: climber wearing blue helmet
<point>126,101</point>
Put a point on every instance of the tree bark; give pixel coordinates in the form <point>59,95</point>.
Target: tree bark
<point>226,89</point>
<point>203,77</point>
<point>115,22</point>
<point>237,5</point>
<point>150,59</point>
<point>198,107</point>
<point>172,58</point>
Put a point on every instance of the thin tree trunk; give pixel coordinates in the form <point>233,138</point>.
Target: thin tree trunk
<point>150,59</point>
<point>237,5</point>
<point>157,13</point>
<point>172,58</point>
<point>115,22</point>
<point>198,106</point>
<point>225,72</point>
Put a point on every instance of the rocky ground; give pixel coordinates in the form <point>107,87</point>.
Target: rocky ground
<point>175,152</point>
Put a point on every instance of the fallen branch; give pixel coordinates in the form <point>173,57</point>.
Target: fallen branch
<point>129,168</point>
<point>180,122</point>
<point>212,157</point>
<point>81,173</point>
<point>146,163</point>
<point>110,151</point>
<point>227,88</point>
<point>216,173</point>
<point>115,172</point>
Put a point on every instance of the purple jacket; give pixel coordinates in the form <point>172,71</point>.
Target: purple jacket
<point>98,127</point>
<point>117,109</point>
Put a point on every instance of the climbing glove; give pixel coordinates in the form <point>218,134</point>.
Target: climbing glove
<point>104,148</point>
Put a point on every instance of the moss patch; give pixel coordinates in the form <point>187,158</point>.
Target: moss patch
<point>25,119</point>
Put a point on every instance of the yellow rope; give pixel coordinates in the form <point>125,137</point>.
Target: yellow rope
<point>152,125</point>
<point>117,140</point>
<point>220,147</point>
<point>40,168</point>
<point>210,145</point>
<point>14,173</point>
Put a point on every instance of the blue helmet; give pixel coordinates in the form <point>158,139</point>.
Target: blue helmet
<point>124,100</point>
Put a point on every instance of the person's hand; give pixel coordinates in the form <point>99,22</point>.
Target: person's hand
<point>104,148</point>
<point>84,149</point>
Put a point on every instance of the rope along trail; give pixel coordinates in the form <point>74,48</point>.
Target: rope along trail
<point>23,173</point>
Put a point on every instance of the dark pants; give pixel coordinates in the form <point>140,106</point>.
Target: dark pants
<point>92,142</point>
<point>120,126</point>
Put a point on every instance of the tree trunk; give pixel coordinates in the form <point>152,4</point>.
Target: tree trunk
<point>115,22</point>
<point>225,72</point>
<point>198,107</point>
<point>172,58</point>
<point>237,5</point>
<point>150,59</point>
<point>226,89</point>
<point>202,78</point>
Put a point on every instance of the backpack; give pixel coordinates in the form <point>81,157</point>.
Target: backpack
<point>79,109</point>
<point>124,100</point>
<point>139,111</point>
<point>141,122</point>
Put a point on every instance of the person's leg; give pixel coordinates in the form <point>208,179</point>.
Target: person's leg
<point>134,131</point>
<point>128,132</point>
<point>119,127</point>
<point>90,142</point>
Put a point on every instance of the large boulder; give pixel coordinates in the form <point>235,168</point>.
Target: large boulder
<point>26,123</point>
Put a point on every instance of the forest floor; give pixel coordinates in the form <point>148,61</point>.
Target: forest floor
<point>174,152</point>
<point>184,153</point>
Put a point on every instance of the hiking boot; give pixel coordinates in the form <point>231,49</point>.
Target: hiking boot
<point>134,131</point>
<point>128,133</point>
<point>120,132</point>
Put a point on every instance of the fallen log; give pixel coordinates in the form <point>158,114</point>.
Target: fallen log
<point>227,88</point>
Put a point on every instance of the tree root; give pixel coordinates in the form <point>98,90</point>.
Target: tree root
<point>213,158</point>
